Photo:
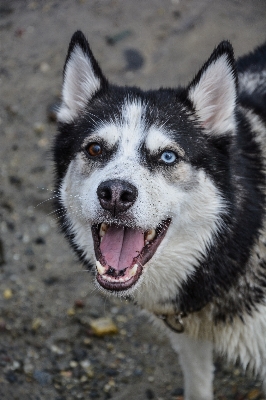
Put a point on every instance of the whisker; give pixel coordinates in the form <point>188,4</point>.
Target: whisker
<point>44,201</point>
<point>58,210</point>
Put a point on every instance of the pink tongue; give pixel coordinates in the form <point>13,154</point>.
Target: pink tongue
<point>120,245</point>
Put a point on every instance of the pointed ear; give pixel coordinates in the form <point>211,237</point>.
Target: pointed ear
<point>213,91</point>
<point>82,78</point>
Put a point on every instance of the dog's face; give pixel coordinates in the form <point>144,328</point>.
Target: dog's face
<point>142,176</point>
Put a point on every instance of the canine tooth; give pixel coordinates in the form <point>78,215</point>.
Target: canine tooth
<point>100,268</point>
<point>150,235</point>
<point>133,270</point>
<point>103,229</point>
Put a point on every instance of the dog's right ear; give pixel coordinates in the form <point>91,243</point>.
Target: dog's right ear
<point>82,78</point>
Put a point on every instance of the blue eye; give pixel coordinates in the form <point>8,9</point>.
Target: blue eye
<point>168,157</point>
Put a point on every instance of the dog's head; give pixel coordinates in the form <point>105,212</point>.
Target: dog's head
<point>143,177</point>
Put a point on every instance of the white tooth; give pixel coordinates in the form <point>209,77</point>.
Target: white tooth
<point>100,268</point>
<point>150,234</point>
<point>133,270</point>
<point>103,229</point>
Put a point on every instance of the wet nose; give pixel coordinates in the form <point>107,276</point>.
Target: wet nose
<point>116,195</point>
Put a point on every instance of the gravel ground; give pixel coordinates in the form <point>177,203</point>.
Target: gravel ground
<point>48,347</point>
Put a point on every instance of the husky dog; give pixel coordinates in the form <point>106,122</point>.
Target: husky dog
<point>162,196</point>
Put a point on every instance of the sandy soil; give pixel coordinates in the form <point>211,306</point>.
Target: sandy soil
<point>47,349</point>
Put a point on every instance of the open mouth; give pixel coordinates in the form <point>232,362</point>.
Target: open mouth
<point>121,253</point>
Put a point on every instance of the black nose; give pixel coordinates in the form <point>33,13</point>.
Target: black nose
<point>116,195</point>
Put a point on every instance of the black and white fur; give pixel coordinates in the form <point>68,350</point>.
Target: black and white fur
<point>211,263</point>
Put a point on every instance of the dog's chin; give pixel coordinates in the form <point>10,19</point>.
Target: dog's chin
<point>122,252</point>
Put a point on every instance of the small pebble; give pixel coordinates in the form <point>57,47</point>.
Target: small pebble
<point>43,142</point>
<point>8,294</point>
<point>39,127</point>
<point>43,378</point>
<point>79,303</point>
<point>36,324</point>
<point>85,364</point>
<point>254,394</point>
<point>121,318</point>
<point>28,368</point>
<point>43,229</point>
<point>110,346</point>
<point>44,67</point>
<point>73,364</point>
<point>121,356</point>
<point>66,374</point>
<point>87,342</point>
<point>103,326</point>
<point>15,366</point>
<point>138,371</point>
<point>55,349</point>
<point>106,388</point>
<point>89,372</point>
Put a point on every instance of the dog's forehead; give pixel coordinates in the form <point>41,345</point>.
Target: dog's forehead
<point>133,129</point>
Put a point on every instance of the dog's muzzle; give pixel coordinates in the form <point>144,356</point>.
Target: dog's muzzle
<point>121,250</point>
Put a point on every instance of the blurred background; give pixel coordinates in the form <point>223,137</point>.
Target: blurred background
<point>51,344</point>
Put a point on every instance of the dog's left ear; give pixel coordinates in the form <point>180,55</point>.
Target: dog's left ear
<point>82,78</point>
<point>213,91</point>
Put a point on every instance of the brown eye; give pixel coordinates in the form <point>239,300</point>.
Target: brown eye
<point>94,149</point>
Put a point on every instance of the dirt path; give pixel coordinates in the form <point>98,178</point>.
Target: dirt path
<point>47,349</point>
